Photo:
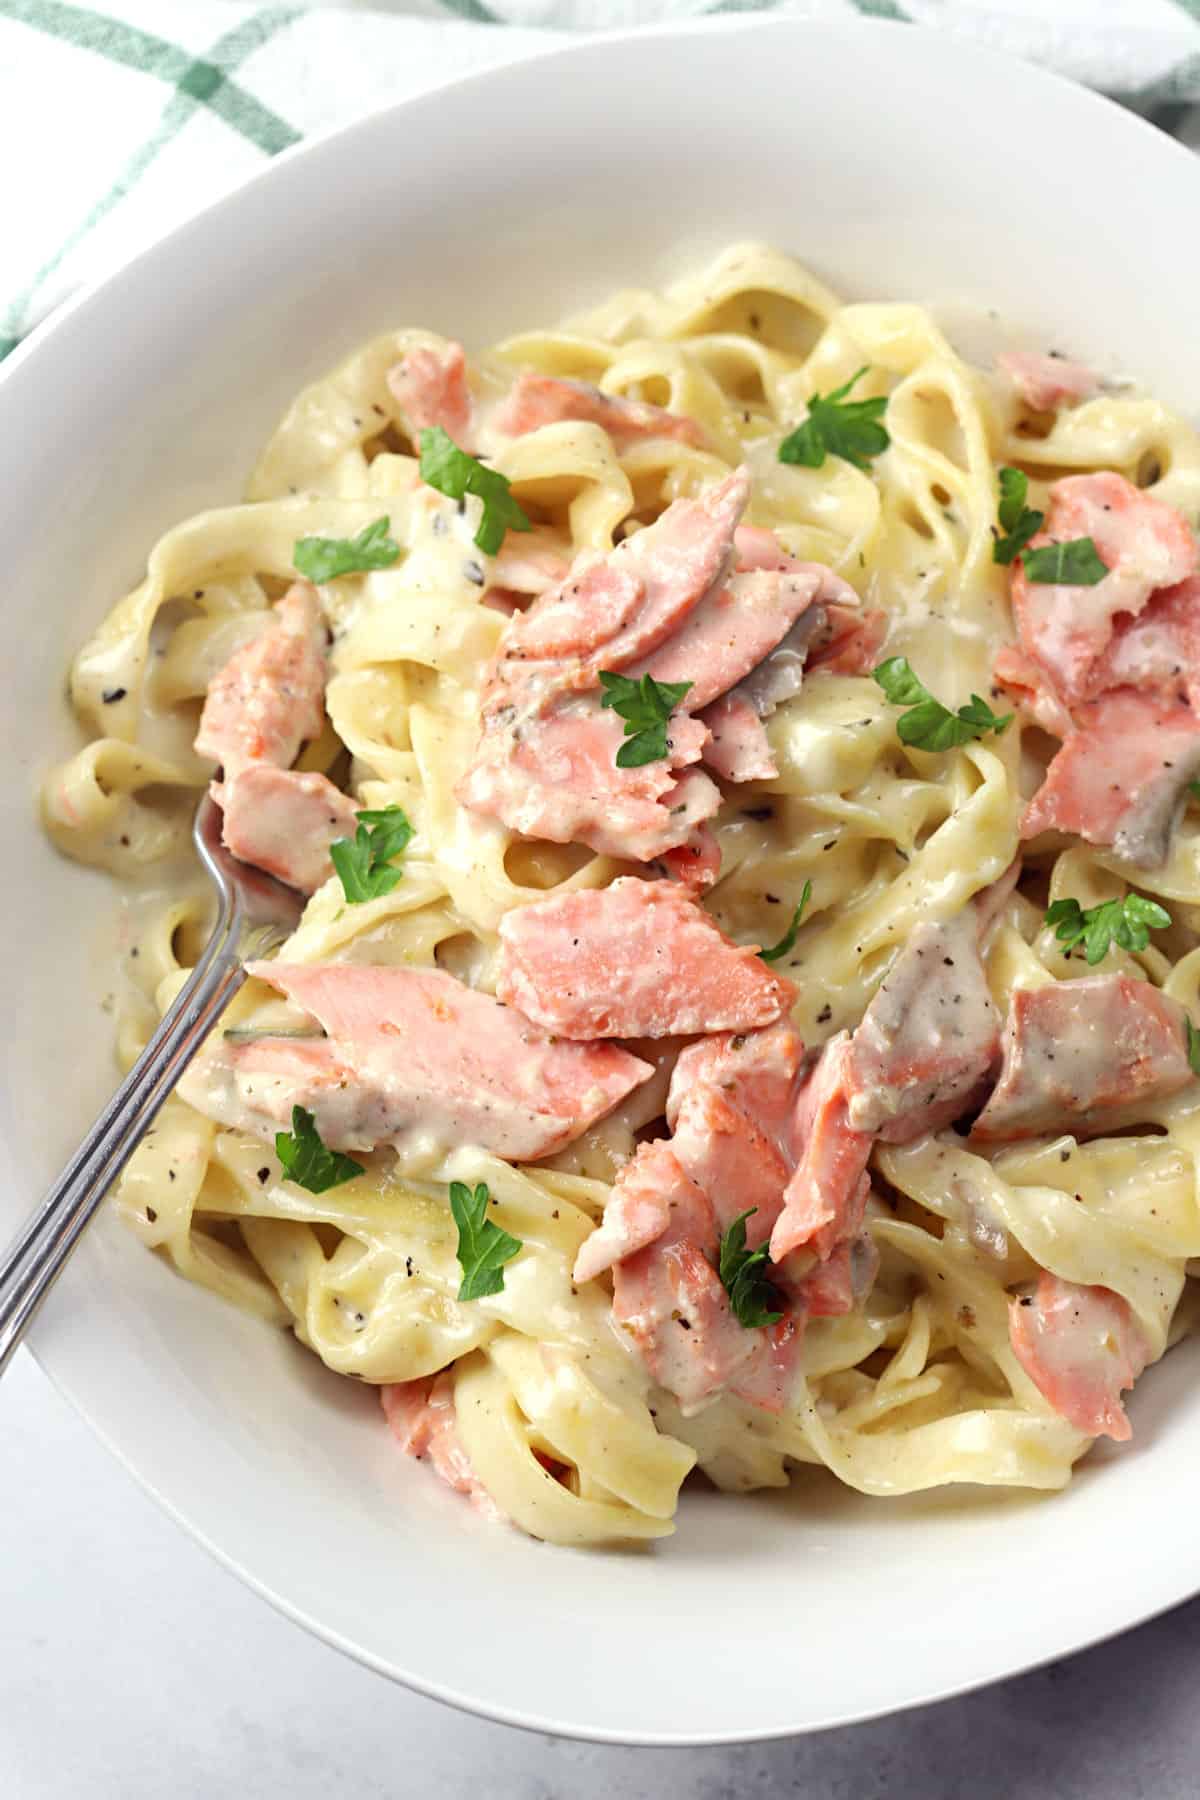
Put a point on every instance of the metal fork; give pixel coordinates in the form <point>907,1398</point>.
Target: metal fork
<point>254,915</point>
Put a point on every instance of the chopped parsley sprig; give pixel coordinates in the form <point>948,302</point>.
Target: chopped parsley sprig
<point>1193,1047</point>
<point>836,426</point>
<point>1126,923</point>
<point>787,941</point>
<point>305,1159</point>
<point>324,559</point>
<point>364,862</point>
<point>752,1295</point>
<point>1018,522</point>
<point>483,1248</point>
<point>455,473</point>
<point>1076,563</point>
<point>644,706</point>
<point>928,725</point>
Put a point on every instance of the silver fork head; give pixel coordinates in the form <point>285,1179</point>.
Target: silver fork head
<point>250,903</point>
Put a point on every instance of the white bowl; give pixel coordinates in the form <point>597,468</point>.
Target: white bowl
<point>897,163</point>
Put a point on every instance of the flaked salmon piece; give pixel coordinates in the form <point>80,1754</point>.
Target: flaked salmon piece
<point>284,822</point>
<point>270,696</point>
<point>1080,1346</point>
<point>612,610</point>
<point>732,631</point>
<point>841,1283</point>
<point>758,548</point>
<point>423,1420</point>
<point>413,1057</point>
<point>850,641</point>
<point>737,749</point>
<point>731,1109</point>
<point>537,400</point>
<point>546,759</point>
<point>558,780</point>
<point>930,1038</point>
<point>1145,544</point>
<point>827,1195</point>
<point>1025,680</point>
<point>696,864</point>
<point>529,562</point>
<point>768,1378</point>
<point>668,1297</point>
<point>637,959</point>
<point>1121,778</point>
<point>1047,382</point>
<point>636,1213</point>
<point>1082,1056</point>
<point>430,388</point>
<point>1159,651</point>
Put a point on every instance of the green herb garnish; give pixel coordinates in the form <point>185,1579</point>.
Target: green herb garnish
<point>1017,521</point>
<point>645,706</point>
<point>751,1294</point>
<point>1193,1047</point>
<point>364,862</point>
<point>305,1159</point>
<point>789,937</point>
<point>1074,564</point>
<point>1126,922</point>
<point>454,473</point>
<point>928,724</point>
<point>483,1249</point>
<point>323,559</point>
<point>836,426</point>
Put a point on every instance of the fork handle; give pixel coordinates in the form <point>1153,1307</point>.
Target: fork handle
<point>36,1257</point>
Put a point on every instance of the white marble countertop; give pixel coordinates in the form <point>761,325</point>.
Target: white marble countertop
<point>133,1668</point>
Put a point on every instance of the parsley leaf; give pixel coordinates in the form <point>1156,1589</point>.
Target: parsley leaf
<point>483,1249</point>
<point>305,1159</point>
<point>323,559</point>
<point>789,937</point>
<point>1193,1047</point>
<point>1074,564</point>
<point>928,724</point>
<point>1018,521</point>
<point>364,862</point>
<point>645,707</point>
<point>836,426</point>
<point>751,1294</point>
<point>1126,922</point>
<point>454,473</point>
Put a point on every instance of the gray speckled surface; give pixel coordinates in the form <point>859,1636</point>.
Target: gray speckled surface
<point>132,1667</point>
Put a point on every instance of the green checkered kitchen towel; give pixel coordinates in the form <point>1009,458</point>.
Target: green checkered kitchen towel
<point>117,121</point>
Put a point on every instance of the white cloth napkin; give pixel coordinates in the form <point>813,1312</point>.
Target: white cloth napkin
<point>116,122</point>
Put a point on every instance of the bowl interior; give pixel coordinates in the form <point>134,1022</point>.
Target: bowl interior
<point>888,160</point>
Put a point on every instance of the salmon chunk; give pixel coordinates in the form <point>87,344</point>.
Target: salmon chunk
<point>1047,382</point>
<point>637,1211</point>
<point>270,696</point>
<point>669,1300</point>
<point>835,1287</point>
<point>637,959</point>
<point>737,747</point>
<point>929,1039</point>
<point>826,1197</point>
<point>412,1057</point>
<point>430,388</point>
<point>1122,777</point>
<point>1085,1056</point>
<point>731,1108</point>
<point>546,759</point>
<point>1145,545</point>
<point>422,1417</point>
<point>284,822</point>
<point>536,400</point>
<point>1080,1346</point>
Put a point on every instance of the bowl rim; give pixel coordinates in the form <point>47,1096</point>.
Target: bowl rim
<point>1125,1611</point>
